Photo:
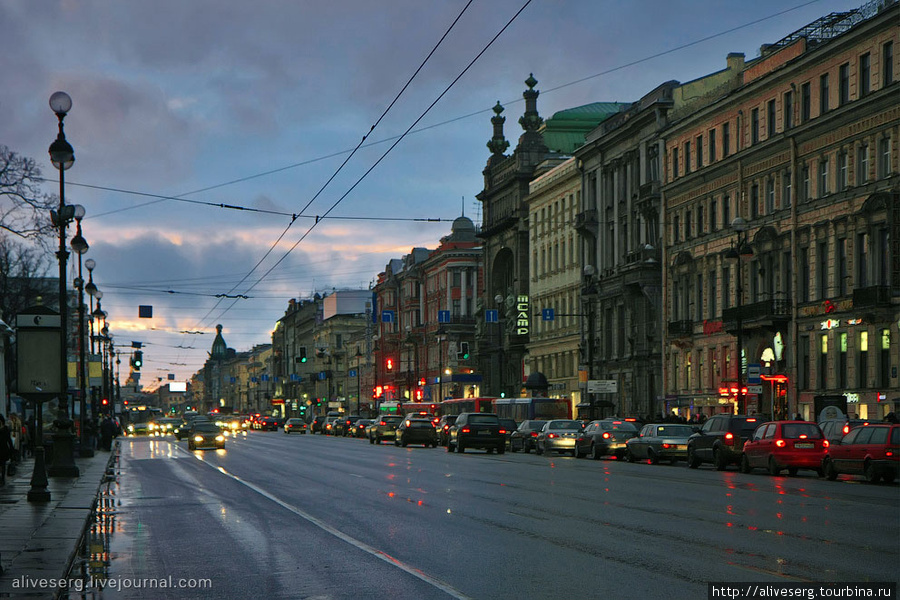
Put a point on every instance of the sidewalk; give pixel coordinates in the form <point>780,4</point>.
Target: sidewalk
<point>41,540</point>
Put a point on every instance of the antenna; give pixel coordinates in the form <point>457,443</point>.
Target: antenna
<point>463,202</point>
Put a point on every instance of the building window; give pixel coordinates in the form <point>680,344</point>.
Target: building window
<point>754,126</point>
<point>711,284</point>
<point>726,211</point>
<point>770,195</point>
<point>823,178</point>
<point>843,170</point>
<point>883,259</point>
<point>699,306</point>
<point>884,364</point>
<point>676,234</point>
<point>884,158</point>
<point>787,272</point>
<point>887,64</point>
<point>862,164</point>
<point>712,146</point>
<point>726,286</point>
<point>699,152</point>
<point>862,371</point>
<point>822,269</point>
<point>862,260</point>
<point>786,189</point>
<point>842,267</point>
<point>726,139</point>
<point>804,183</point>
<point>700,222</point>
<point>803,363</point>
<point>823,94</point>
<point>805,102</point>
<point>754,200</point>
<point>842,361</point>
<point>687,226</point>
<point>788,110</point>
<point>653,163</point>
<point>822,384</point>
<point>674,161</point>
<point>770,118</point>
<point>864,78</point>
<point>844,84</point>
<point>687,158</point>
<point>804,268</point>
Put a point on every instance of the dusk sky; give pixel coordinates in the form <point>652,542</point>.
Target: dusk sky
<point>257,104</point>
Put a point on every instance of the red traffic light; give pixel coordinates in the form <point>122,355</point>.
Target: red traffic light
<point>104,402</point>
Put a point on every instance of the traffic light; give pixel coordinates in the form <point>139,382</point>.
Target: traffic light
<point>138,360</point>
<point>104,402</point>
<point>389,364</point>
<point>303,354</point>
<point>463,353</point>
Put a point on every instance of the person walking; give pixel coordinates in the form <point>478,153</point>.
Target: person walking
<point>6,448</point>
<point>107,431</point>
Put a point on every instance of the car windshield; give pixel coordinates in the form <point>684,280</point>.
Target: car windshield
<point>564,425</point>
<point>508,423</point>
<point>417,423</point>
<point>794,431</point>
<point>617,426</point>
<point>205,427</point>
<point>294,421</point>
<point>484,419</point>
<point>391,420</point>
<point>675,430</point>
<point>538,425</point>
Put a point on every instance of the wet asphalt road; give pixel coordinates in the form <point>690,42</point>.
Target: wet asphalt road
<point>304,516</point>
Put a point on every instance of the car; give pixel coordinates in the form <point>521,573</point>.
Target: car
<point>872,451</point>
<point>443,428</point>
<point>205,434</point>
<point>318,424</point>
<point>524,436</point>
<point>358,428</point>
<point>604,437</point>
<point>509,425</point>
<point>477,430</point>
<point>295,425</point>
<point>342,426</point>
<point>166,425</point>
<point>416,431</point>
<point>659,441</point>
<point>328,428</point>
<point>384,428</point>
<point>720,440</point>
<point>229,423</point>
<point>268,424</point>
<point>558,435</point>
<point>834,430</point>
<point>790,445</point>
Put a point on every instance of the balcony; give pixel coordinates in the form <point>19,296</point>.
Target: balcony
<point>767,313</point>
<point>876,295</point>
<point>681,328</point>
<point>587,222</point>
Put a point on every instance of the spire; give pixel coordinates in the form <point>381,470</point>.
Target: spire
<point>498,144</point>
<point>219,348</point>
<point>531,120</point>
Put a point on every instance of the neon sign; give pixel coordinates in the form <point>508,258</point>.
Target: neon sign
<point>522,320</point>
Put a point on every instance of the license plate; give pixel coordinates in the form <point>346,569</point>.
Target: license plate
<point>681,447</point>
<point>804,445</point>
<point>485,432</point>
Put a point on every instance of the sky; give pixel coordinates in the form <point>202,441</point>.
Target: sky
<point>183,107</point>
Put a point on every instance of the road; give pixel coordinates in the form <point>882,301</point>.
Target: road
<point>306,516</point>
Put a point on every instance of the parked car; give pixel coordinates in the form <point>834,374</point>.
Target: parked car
<point>205,434</point>
<point>477,430</point>
<point>524,436</point>
<point>443,428</point>
<point>835,429</point>
<point>295,425</point>
<point>509,425</point>
<point>318,424</point>
<point>721,440</point>
<point>384,428</point>
<point>790,445</point>
<point>872,451</point>
<point>268,424</point>
<point>659,441</point>
<point>604,437</point>
<point>416,431</point>
<point>558,435</point>
<point>358,428</point>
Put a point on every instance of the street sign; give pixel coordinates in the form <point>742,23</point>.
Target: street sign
<point>754,389</point>
<point>352,372</point>
<point>387,316</point>
<point>753,373</point>
<point>602,386</point>
<point>491,315</point>
<point>443,316</point>
<point>548,314</point>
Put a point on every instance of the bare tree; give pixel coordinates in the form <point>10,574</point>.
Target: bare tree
<point>24,278</point>
<point>24,207</point>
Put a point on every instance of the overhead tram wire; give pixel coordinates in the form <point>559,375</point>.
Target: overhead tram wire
<point>346,160</point>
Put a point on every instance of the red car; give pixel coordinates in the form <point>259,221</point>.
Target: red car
<point>790,445</point>
<point>872,451</point>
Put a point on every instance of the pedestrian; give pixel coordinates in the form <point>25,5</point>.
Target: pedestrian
<point>891,417</point>
<point>798,417</point>
<point>107,430</point>
<point>6,448</point>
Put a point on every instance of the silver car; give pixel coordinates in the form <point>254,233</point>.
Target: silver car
<point>659,441</point>
<point>558,435</point>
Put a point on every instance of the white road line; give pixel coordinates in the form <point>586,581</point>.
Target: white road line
<point>433,581</point>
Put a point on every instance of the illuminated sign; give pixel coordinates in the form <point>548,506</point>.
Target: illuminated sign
<point>854,321</point>
<point>830,324</point>
<point>522,321</point>
<point>851,398</point>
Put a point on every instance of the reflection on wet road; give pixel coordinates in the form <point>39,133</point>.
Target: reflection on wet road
<point>311,516</point>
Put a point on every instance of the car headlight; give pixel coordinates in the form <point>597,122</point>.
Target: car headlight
<point>198,438</point>
<point>220,438</point>
<point>131,428</point>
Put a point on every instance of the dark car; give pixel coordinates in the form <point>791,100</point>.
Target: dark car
<point>205,435</point>
<point>834,430</point>
<point>443,428</point>
<point>358,428</point>
<point>268,424</point>
<point>384,428</point>
<point>318,424</point>
<point>558,435</point>
<point>477,430</point>
<point>604,437</point>
<point>721,440</point>
<point>416,431</point>
<point>509,425</point>
<point>342,425</point>
<point>525,435</point>
<point>872,451</point>
<point>659,441</point>
<point>295,425</point>
<point>790,445</point>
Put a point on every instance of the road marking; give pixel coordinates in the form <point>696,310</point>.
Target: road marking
<point>433,581</point>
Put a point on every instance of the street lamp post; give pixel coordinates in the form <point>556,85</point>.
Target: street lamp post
<point>359,355</point>
<point>440,340</point>
<point>742,251</point>
<point>589,293</point>
<point>80,246</point>
<point>62,155</point>
<point>501,367</point>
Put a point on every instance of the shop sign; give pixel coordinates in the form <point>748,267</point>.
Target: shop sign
<point>851,398</point>
<point>522,322</point>
<point>826,308</point>
<point>711,327</point>
<point>830,324</point>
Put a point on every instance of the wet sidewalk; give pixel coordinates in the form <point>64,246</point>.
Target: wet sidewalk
<point>39,541</point>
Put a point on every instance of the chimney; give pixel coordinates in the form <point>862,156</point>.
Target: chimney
<point>735,61</point>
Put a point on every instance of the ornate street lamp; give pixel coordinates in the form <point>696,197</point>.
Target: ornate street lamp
<point>740,253</point>
<point>62,155</point>
<point>80,246</point>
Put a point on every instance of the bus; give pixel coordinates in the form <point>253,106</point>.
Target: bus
<point>544,409</point>
<point>430,408</point>
<point>456,406</point>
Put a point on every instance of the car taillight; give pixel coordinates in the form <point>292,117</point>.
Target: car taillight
<point>466,430</point>
<point>446,427</point>
<point>534,434</point>
<point>382,423</point>
<point>605,435</point>
<point>779,443</point>
<point>551,435</point>
<point>665,446</point>
<point>889,453</point>
<point>846,429</point>
<point>729,439</point>
<point>502,432</point>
